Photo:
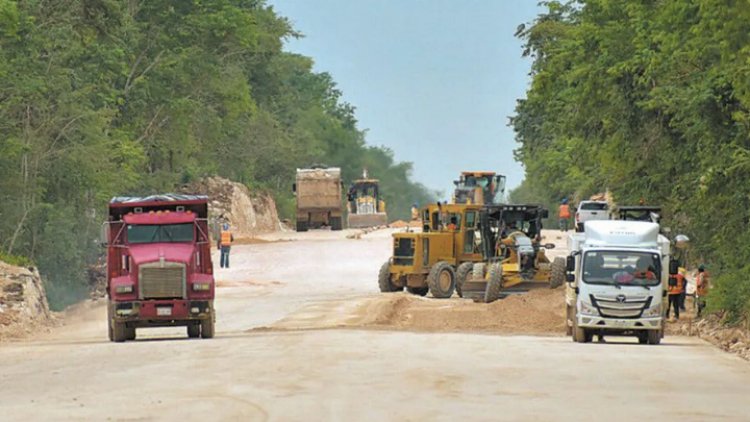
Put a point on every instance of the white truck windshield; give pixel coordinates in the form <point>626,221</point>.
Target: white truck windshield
<point>160,233</point>
<point>621,268</point>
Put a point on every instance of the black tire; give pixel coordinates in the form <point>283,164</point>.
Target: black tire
<point>442,280</point>
<point>109,323</point>
<point>580,335</point>
<point>654,337</point>
<point>336,223</point>
<point>207,327</point>
<point>643,337</point>
<point>119,332</point>
<point>384,279</point>
<point>494,283</point>
<point>557,273</point>
<point>130,333</point>
<point>462,272</point>
<point>194,330</point>
<point>301,226</point>
<point>579,227</point>
<point>419,291</point>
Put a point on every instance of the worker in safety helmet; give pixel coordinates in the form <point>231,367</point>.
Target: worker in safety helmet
<point>674,288</point>
<point>225,244</point>
<point>702,284</point>
<point>414,212</point>
<point>564,214</point>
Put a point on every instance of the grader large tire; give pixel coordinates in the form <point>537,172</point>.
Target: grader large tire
<point>478,270</point>
<point>419,291</point>
<point>557,273</point>
<point>462,272</point>
<point>494,283</point>
<point>384,279</point>
<point>441,280</point>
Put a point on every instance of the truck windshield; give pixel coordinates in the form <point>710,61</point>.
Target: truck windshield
<point>622,268</point>
<point>160,234</point>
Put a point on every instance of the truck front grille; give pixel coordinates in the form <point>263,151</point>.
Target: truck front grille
<point>162,281</point>
<point>622,307</point>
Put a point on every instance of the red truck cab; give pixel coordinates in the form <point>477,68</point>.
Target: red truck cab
<point>159,269</point>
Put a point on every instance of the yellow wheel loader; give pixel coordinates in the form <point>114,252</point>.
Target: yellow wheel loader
<point>365,208</point>
<point>513,259</point>
<point>426,261</point>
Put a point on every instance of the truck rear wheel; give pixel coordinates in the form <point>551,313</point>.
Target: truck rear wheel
<point>194,330</point>
<point>494,284</point>
<point>207,327</point>
<point>384,279</point>
<point>441,280</point>
<point>557,273</point>
<point>336,223</point>
<point>654,337</point>
<point>119,332</point>
<point>462,272</point>
<point>301,226</point>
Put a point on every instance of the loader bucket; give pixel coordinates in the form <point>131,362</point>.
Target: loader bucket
<point>358,221</point>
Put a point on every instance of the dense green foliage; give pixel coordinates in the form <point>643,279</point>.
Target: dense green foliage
<point>110,97</point>
<point>650,99</point>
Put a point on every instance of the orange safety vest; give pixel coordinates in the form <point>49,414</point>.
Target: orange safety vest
<point>677,288</point>
<point>564,211</point>
<point>226,238</point>
<point>701,284</point>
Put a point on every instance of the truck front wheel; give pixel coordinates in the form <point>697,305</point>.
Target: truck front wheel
<point>194,330</point>
<point>580,335</point>
<point>119,332</point>
<point>654,337</point>
<point>207,327</point>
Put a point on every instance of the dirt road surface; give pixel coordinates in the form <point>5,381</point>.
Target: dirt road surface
<point>303,334</point>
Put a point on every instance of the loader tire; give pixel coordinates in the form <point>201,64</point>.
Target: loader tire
<point>494,283</point>
<point>336,223</point>
<point>478,271</point>
<point>557,273</point>
<point>384,279</point>
<point>419,291</point>
<point>462,272</point>
<point>442,280</point>
<point>301,226</point>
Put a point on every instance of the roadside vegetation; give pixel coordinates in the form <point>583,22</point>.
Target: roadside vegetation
<point>108,97</point>
<point>649,100</point>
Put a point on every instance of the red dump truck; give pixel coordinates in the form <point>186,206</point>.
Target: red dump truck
<point>159,270</point>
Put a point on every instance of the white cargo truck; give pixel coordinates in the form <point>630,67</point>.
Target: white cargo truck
<point>617,274</point>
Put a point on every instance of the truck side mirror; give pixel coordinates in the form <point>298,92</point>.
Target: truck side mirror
<point>570,277</point>
<point>674,266</point>
<point>104,235</point>
<point>570,263</point>
<point>294,187</point>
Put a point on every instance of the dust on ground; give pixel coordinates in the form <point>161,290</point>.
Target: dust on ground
<point>540,311</point>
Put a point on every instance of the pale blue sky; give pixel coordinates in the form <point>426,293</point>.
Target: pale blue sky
<point>434,80</point>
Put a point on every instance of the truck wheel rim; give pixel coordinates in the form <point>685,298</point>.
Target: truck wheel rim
<point>445,280</point>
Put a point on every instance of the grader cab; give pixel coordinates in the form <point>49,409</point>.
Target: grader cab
<point>513,258</point>
<point>479,187</point>
<point>365,206</point>
<point>426,261</point>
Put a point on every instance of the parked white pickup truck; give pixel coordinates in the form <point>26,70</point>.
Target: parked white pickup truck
<point>591,210</point>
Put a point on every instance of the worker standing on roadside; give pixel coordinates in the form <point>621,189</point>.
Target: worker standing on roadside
<point>675,287</point>
<point>702,284</point>
<point>683,293</point>
<point>225,244</point>
<point>564,214</point>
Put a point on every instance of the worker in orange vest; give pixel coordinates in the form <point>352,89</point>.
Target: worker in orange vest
<point>225,244</point>
<point>564,214</point>
<point>702,284</point>
<point>674,288</point>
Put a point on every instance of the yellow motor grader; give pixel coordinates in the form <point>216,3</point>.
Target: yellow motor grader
<point>514,260</point>
<point>426,261</point>
<point>365,207</point>
<point>479,187</point>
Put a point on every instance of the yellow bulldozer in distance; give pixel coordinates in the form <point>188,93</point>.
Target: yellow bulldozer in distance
<point>514,259</point>
<point>425,261</point>
<point>365,207</point>
<point>479,187</point>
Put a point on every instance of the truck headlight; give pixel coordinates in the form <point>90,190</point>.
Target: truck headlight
<point>201,287</point>
<point>653,311</point>
<point>125,288</point>
<point>588,309</point>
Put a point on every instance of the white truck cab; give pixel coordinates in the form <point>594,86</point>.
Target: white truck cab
<point>617,275</point>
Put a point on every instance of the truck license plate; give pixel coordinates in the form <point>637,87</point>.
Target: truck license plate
<point>619,323</point>
<point>164,310</point>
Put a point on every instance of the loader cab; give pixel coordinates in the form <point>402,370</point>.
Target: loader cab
<point>479,188</point>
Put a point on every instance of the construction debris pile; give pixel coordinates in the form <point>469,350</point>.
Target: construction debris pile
<point>731,339</point>
<point>23,302</point>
